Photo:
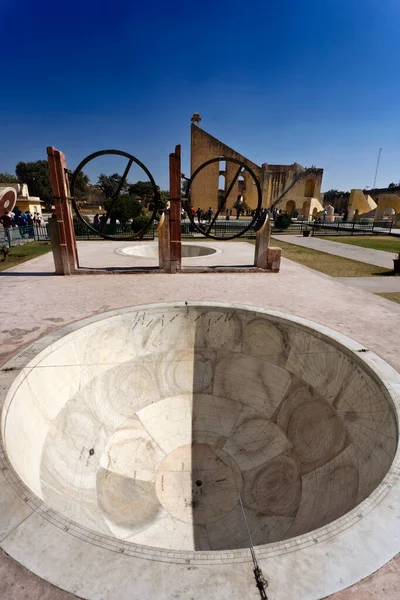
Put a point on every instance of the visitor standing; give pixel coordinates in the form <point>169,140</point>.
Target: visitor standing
<point>102,221</point>
<point>6,221</point>
<point>30,225</point>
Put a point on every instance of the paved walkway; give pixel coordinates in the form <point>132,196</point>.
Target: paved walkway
<point>378,258</point>
<point>375,285</point>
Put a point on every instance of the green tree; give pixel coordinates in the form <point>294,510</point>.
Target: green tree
<point>240,204</point>
<point>185,187</point>
<point>125,207</point>
<point>81,186</point>
<point>143,191</point>
<point>36,176</point>
<point>8,178</point>
<point>109,185</point>
<point>332,194</point>
<point>164,199</point>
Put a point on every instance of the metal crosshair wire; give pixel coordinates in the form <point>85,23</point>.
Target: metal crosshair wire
<point>100,231</point>
<point>206,230</point>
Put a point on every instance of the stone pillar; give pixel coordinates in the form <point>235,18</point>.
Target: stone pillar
<point>175,210</point>
<point>62,203</point>
<point>164,247</point>
<point>330,217</point>
<point>265,256</point>
<point>262,243</point>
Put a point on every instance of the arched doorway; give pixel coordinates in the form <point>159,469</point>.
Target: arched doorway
<point>290,207</point>
<point>309,188</point>
<point>315,213</point>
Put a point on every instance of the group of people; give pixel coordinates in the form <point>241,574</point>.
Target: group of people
<point>99,220</point>
<point>203,215</point>
<point>207,215</point>
<point>25,222</point>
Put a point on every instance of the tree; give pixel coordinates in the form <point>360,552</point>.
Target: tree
<point>241,205</point>
<point>392,185</point>
<point>36,176</point>
<point>143,191</point>
<point>332,194</point>
<point>109,185</point>
<point>125,207</point>
<point>185,187</point>
<point>81,186</point>
<point>164,199</point>
<point>8,178</point>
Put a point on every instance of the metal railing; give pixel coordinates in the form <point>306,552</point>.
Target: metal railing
<point>220,229</point>
<point>318,228</point>
<point>337,228</point>
<point>23,235</point>
<point>34,233</point>
<point>83,233</point>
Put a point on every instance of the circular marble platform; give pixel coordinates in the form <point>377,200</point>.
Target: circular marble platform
<point>132,434</point>
<point>149,250</point>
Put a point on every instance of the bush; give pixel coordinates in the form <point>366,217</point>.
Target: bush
<point>283,221</point>
<point>139,222</point>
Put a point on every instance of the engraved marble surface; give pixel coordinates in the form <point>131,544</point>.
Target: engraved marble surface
<point>146,426</point>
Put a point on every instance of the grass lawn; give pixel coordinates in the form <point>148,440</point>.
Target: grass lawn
<point>334,266</point>
<point>19,254</point>
<point>377,242</point>
<point>393,296</point>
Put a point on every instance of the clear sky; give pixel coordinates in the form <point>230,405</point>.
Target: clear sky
<point>312,81</point>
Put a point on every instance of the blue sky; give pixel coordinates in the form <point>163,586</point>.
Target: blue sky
<point>312,81</point>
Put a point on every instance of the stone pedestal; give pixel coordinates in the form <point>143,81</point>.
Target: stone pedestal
<point>274,259</point>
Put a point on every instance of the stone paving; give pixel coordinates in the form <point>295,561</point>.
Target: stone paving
<point>378,258</point>
<point>36,302</point>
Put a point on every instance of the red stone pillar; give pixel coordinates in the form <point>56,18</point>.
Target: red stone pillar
<point>62,203</point>
<point>175,210</point>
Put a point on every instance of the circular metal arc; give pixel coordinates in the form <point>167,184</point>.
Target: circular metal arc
<point>131,159</point>
<point>257,214</point>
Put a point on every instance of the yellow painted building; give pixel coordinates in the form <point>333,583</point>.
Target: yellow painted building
<point>299,194</point>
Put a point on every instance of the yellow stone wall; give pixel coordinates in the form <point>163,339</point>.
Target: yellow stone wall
<point>273,179</point>
<point>204,191</point>
<point>359,203</point>
<point>385,202</point>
